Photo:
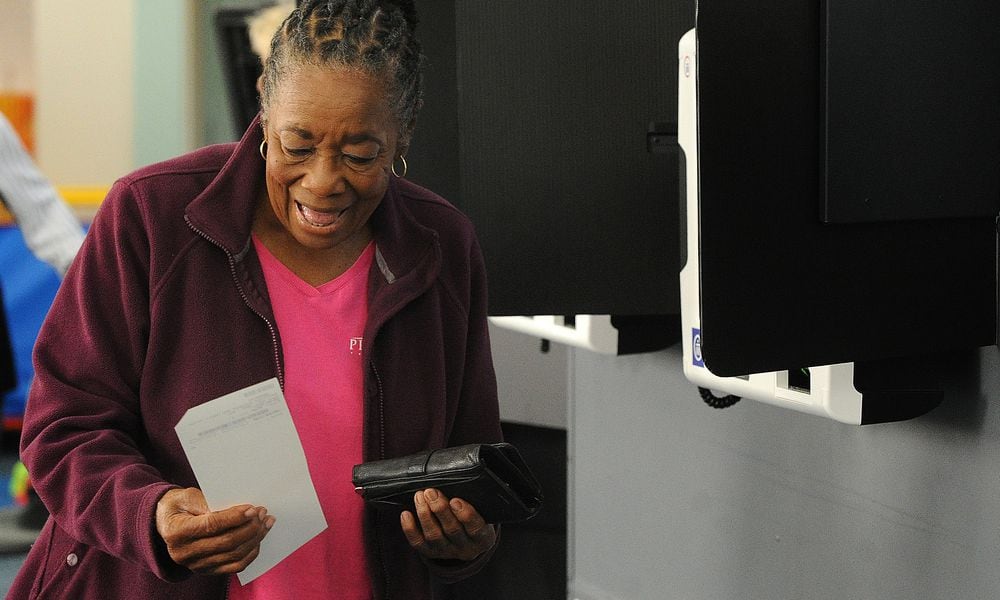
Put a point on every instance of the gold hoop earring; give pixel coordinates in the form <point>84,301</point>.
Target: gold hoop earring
<point>263,152</point>
<point>392,167</point>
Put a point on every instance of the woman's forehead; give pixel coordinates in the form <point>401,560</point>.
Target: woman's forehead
<point>329,79</point>
<point>329,92</point>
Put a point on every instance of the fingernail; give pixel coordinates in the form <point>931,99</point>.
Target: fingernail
<point>269,523</point>
<point>418,498</point>
<point>456,504</point>
<point>250,512</point>
<point>431,495</point>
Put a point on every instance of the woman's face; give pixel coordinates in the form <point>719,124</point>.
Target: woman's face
<point>331,138</point>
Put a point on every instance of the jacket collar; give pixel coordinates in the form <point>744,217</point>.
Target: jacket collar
<point>224,210</point>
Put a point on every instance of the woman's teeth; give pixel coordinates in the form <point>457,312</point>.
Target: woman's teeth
<point>318,218</point>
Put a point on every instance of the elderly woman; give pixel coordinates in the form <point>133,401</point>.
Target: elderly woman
<point>282,255</point>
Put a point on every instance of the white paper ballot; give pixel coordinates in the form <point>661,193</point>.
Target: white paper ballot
<point>244,449</point>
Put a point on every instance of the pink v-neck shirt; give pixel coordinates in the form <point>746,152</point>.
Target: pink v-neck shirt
<point>321,338</point>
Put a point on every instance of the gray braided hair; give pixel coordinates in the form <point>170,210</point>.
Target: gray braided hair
<point>373,36</point>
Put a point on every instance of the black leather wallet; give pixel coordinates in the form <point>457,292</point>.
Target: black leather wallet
<point>493,478</point>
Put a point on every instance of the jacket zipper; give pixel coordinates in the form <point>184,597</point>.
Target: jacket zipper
<point>381,412</point>
<point>381,455</point>
<point>236,280</point>
<point>270,327</point>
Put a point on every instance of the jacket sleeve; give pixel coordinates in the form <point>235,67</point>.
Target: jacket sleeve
<point>478,417</point>
<point>83,437</point>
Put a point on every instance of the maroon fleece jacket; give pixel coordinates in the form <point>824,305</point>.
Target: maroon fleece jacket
<point>166,307</point>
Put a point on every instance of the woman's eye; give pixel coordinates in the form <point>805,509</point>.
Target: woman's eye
<point>297,152</point>
<point>360,160</point>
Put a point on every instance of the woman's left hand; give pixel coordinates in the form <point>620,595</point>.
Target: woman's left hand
<point>446,529</point>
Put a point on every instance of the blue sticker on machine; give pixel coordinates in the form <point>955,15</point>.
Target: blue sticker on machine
<point>696,357</point>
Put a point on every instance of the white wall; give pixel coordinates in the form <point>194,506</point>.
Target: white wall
<point>83,86</point>
<point>16,72</point>
<point>167,56</point>
<point>115,85</point>
<point>671,499</point>
<point>532,384</point>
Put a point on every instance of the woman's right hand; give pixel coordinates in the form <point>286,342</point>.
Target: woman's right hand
<point>217,543</point>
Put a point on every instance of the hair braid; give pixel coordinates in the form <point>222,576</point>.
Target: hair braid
<point>409,11</point>
<point>373,36</point>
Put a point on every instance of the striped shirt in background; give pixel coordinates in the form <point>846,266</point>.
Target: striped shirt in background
<point>50,229</point>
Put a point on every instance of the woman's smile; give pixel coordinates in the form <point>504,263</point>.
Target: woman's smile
<point>320,218</point>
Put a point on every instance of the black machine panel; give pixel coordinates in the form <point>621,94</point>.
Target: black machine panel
<point>912,116</point>
<point>553,125</point>
<point>779,287</point>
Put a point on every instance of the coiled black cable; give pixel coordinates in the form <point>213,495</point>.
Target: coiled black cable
<point>717,401</point>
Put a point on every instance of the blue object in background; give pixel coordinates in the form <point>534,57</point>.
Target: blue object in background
<point>29,285</point>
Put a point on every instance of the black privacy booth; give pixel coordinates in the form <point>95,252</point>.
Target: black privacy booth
<point>240,65</point>
<point>848,188</point>
<point>553,125</point>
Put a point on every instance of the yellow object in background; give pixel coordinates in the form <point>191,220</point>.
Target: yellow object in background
<point>84,200</point>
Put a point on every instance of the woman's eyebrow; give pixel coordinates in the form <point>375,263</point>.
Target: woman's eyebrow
<point>360,138</point>
<point>302,133</point>
<point>356,138</point>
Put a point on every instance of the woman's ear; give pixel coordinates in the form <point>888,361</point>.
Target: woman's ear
<point>403,144</point>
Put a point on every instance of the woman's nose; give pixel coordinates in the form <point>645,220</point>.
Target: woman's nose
<point>325,177</point>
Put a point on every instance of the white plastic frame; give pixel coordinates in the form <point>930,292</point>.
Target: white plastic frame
<point>591,332</point>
